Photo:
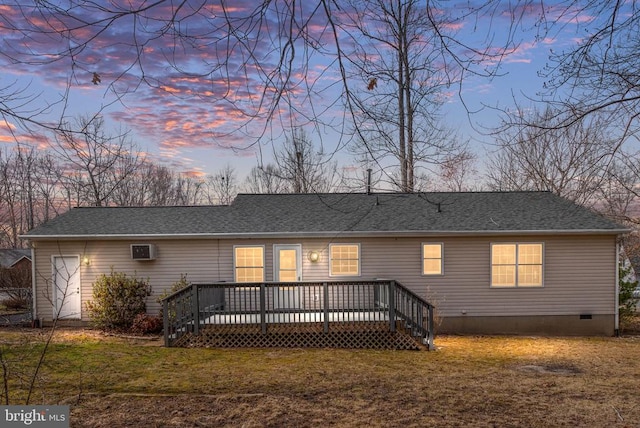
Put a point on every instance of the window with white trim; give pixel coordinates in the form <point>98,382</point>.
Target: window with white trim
<point>432,259</point>
<point>344,259</point>
<point>248,263</point>
<point>516,265</point>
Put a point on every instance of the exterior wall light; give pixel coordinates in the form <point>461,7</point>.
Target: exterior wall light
<point>86,261</point>
<point>313,256</point>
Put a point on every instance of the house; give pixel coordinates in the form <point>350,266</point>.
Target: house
<point>15,276</point>
<point>15,258</point>
<point>15,268</point>
<point>490,262</point>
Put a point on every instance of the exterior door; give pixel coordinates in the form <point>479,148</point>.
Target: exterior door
<point>66,287</point>
<point>288,268</point>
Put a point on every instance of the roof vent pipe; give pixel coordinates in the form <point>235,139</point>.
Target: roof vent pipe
<point>368,181</point>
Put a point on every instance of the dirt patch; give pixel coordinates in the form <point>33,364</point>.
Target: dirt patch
<point>77,335</point>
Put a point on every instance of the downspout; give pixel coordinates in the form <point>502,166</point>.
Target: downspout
<point>34,306</point>
<point>616,305</point>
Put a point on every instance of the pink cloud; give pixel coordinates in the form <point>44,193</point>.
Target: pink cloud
<point>121,64</point>
<point>11,134</point>
<point>194,173</point>
<point>178,99</point>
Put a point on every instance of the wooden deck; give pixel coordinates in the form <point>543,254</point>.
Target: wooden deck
<point>357,314</point>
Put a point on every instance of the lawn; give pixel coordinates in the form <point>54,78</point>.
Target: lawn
<point>469,381</point>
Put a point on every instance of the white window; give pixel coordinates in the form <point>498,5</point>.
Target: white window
<point>344,260</point>
<point>516,265</point>
<point>432,259</point>
<point>249,264</point>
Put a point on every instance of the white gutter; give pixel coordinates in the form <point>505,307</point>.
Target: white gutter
<point>330,234</point>
<point>616,304</point>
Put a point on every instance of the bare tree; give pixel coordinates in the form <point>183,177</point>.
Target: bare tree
<point>265,179</point>
<point>225,48</point>
<point>133,191</point>
<point>101,162</point>
<point>162,183</point>
<point>222,187</point>
<point>599,73</point>
<point>30,192</point>
<point>150,185</point>
<point>304,168</point>
<point>593,83</point>
<point>400,66</point>
<point>619,194</point>
<point>188,190</point>
<point>11,213</point>
<point>573,162</point>
<point>457,173</point>
<point>50,195</point>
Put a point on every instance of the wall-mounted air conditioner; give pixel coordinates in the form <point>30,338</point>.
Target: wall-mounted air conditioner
<point>143,251</point>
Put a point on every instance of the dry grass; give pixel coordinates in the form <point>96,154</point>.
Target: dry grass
<point>631,325</point>
<point>468,381</point>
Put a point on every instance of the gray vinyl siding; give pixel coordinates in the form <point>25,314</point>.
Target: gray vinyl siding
<point>198,259</point>
<point>579,271</point>
<point>579,276</point>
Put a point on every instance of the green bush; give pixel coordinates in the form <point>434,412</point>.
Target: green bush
<point>183,282</point>
<point>117,299</point>
<point>626,302</point>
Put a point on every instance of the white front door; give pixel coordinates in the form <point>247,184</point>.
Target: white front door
<point>66,287</point>
<point>287,265</point>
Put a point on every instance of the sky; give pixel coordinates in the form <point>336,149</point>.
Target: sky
<point>198,124</point>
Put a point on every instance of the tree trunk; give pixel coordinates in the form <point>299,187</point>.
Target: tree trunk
<point>402,150</point>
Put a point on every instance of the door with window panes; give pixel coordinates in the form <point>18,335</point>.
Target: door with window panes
<point>287,266</point>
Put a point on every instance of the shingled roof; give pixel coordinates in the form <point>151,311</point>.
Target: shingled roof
<point>333,214</point>
<point>10,256</point>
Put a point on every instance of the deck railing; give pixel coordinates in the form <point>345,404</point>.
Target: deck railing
<point>327,302</point>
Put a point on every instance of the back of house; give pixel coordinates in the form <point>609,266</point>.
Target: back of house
<point>490,262</point>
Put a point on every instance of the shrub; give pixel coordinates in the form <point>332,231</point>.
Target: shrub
<point>117,299</point>
<point>15,285</point>
<point>176,286</point>
<point>183,282</point>
<point>146,324</point>
<point>626,301</point>
<point>17,303</point>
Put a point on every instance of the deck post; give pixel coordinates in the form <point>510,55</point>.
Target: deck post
<point>263,309</point>
<point>430,345</point>
<point>392,305</point>
<point>325,305</point>
<point>195,308</point>
<point>165,321</point>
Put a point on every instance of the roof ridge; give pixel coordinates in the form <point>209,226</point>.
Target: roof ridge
<point>398,193</point>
